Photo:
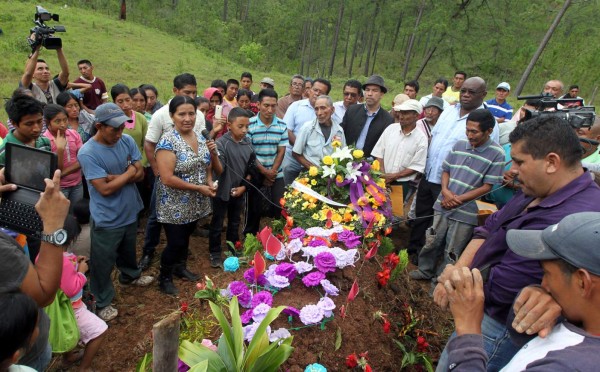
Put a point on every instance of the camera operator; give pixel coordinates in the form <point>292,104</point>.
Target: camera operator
<point>37,76</point>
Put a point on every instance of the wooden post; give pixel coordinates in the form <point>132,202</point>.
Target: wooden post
<point>166,342</point>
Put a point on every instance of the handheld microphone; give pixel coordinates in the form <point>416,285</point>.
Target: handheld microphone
<point>206,134</point>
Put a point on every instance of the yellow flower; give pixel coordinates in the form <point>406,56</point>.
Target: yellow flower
<point>336,144</point>
<point>376,166</point>
<point>347,217</point>
<point>315,216</point>
<point>313,182</point>
<point>327,160</point>
<point>358,154</point>
<point>381,183</point>
<point>336,217</point>
<point>313,171</point>
<point>339,178</point>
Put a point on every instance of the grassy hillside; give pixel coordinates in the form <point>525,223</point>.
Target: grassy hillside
<point>122,52</point>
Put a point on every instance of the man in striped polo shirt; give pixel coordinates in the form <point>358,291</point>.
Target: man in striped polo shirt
<point>470,170</point>
<point>269,137</point>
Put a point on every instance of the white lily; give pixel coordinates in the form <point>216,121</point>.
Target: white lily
<point>342,153</point>
<point>352,171</point>
<point>328,171</point>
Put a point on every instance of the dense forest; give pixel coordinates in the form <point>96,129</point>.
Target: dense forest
<point>400,39</point>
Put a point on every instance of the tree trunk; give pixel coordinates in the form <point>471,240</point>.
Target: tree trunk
<point>591,102</point>
<point>412,40</point>
<point>541,47</point>
<point>347,39</point>
<point>123,12</point>
<point>166,340</point>
<point>375,51</point>
<point>397,32</point>
<point>336,37</point>
<point>371,23</point>
<point>224,10</point>
<point>302,54</point>
<point>353,55</point>
<point>425,61</point>
<point>246,11</point>
<point>310,48</point>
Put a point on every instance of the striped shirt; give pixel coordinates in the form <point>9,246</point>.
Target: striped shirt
<point>469,168</point>
<point>266,140</point>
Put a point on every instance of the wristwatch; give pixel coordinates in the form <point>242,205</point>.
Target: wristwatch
<point>59,237</point>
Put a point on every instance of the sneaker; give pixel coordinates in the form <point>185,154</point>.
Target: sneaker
<point>142,281</point>
<point>108,313</point>
<point>418,275</point>
<point>216,262</point>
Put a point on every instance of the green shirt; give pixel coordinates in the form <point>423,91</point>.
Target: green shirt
<point>594,158</point>
<point>40,143</point>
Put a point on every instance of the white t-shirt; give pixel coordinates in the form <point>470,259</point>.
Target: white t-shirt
<point>161,123</point>
<point>401,151</point>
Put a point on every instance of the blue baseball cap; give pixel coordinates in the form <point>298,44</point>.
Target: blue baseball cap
<point>575,239</point>
<point>111,114</point>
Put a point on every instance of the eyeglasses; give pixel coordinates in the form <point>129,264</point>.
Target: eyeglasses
<point>470,91</point>
<point>349,94</point>
<point>297,85</point>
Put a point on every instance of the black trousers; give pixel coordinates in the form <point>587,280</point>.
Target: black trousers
<point>178,243</point>
<point>232,209</point>
<point>257,206</point>
<point>427,194</point>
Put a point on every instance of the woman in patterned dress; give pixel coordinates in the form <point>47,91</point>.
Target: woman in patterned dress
<point>186,161</point>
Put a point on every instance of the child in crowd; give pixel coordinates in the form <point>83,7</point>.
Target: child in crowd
<point>234,153</point>
<point>66,143</point>
<point>91,327</point>
<point>18,329</point>
<point>81,212</point>
<point>470,170</point>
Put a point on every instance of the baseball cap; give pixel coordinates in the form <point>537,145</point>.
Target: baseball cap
<point>269,81</point>
<point>400,98</point>
<point>111,114</point>
<point>504,85</point>
<point>409,105</point>
<point>574,239</point>
<point>435,102</point>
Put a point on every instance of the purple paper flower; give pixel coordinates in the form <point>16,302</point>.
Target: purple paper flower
<point>181,366</point>
<point>279,334</point>
<point>311,314</point>
<point>286,269</point>
<point>291,311</point>
<point>316,243</point>
<point>262,297</point>
<point>260,312</point>
<point>250,330</point>
<point>279,281</point>
<point>303,267</point>
<point>297,232</point>
<point>349,238</point>
<point>246,316</point>
<point>240,290</point>
<point>325,262</point>
<point>330,289</point>
<point>327,305</point>
<point>313,279</point>
<point>249,276</point>
<point>294,246</point>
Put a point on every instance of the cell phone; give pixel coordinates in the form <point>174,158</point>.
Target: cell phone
<point>218,111</point>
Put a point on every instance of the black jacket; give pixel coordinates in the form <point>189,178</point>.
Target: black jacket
<point>354,121</point>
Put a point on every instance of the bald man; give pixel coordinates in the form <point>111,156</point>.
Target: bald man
<point>554,87</point>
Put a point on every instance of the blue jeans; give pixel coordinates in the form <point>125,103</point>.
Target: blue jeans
<point>496,342</point>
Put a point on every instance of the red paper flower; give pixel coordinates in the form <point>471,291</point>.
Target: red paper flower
<point>343,311</point>
<point>386,326</point>
<point>352,360</point>
<point>422,344</point>
<point>383,277</point>
<point>238,245</point>
<point>353,291</point>
<point>368,368</point>
<point>184,307</point>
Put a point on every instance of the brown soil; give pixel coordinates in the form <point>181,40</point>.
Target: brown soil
<point>129,335</point>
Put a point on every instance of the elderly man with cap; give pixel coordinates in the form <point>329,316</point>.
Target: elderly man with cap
<point>433,108</point>
<point>110,161</point>
<point>569,256</point>
<point>501,110</point>
<point>402,148</point>
<point>363,124</point>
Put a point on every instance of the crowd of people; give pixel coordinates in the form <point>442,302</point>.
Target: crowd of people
<point>229,152</point>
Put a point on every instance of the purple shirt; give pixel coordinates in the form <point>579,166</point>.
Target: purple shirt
<point>509,273</point>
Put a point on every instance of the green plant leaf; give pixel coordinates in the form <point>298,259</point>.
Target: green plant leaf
<point>273,357</point>
<point>145,363</point>
<point>195,353</point>
<point>238,333</point>
<point>200,367</point>
<point>225,327</point>
<point>227,354</point>
<point>260,341</point>
<point>338,339</point>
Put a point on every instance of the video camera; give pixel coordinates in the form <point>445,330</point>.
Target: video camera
<point>43,34</point>
<point>570,109</point>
